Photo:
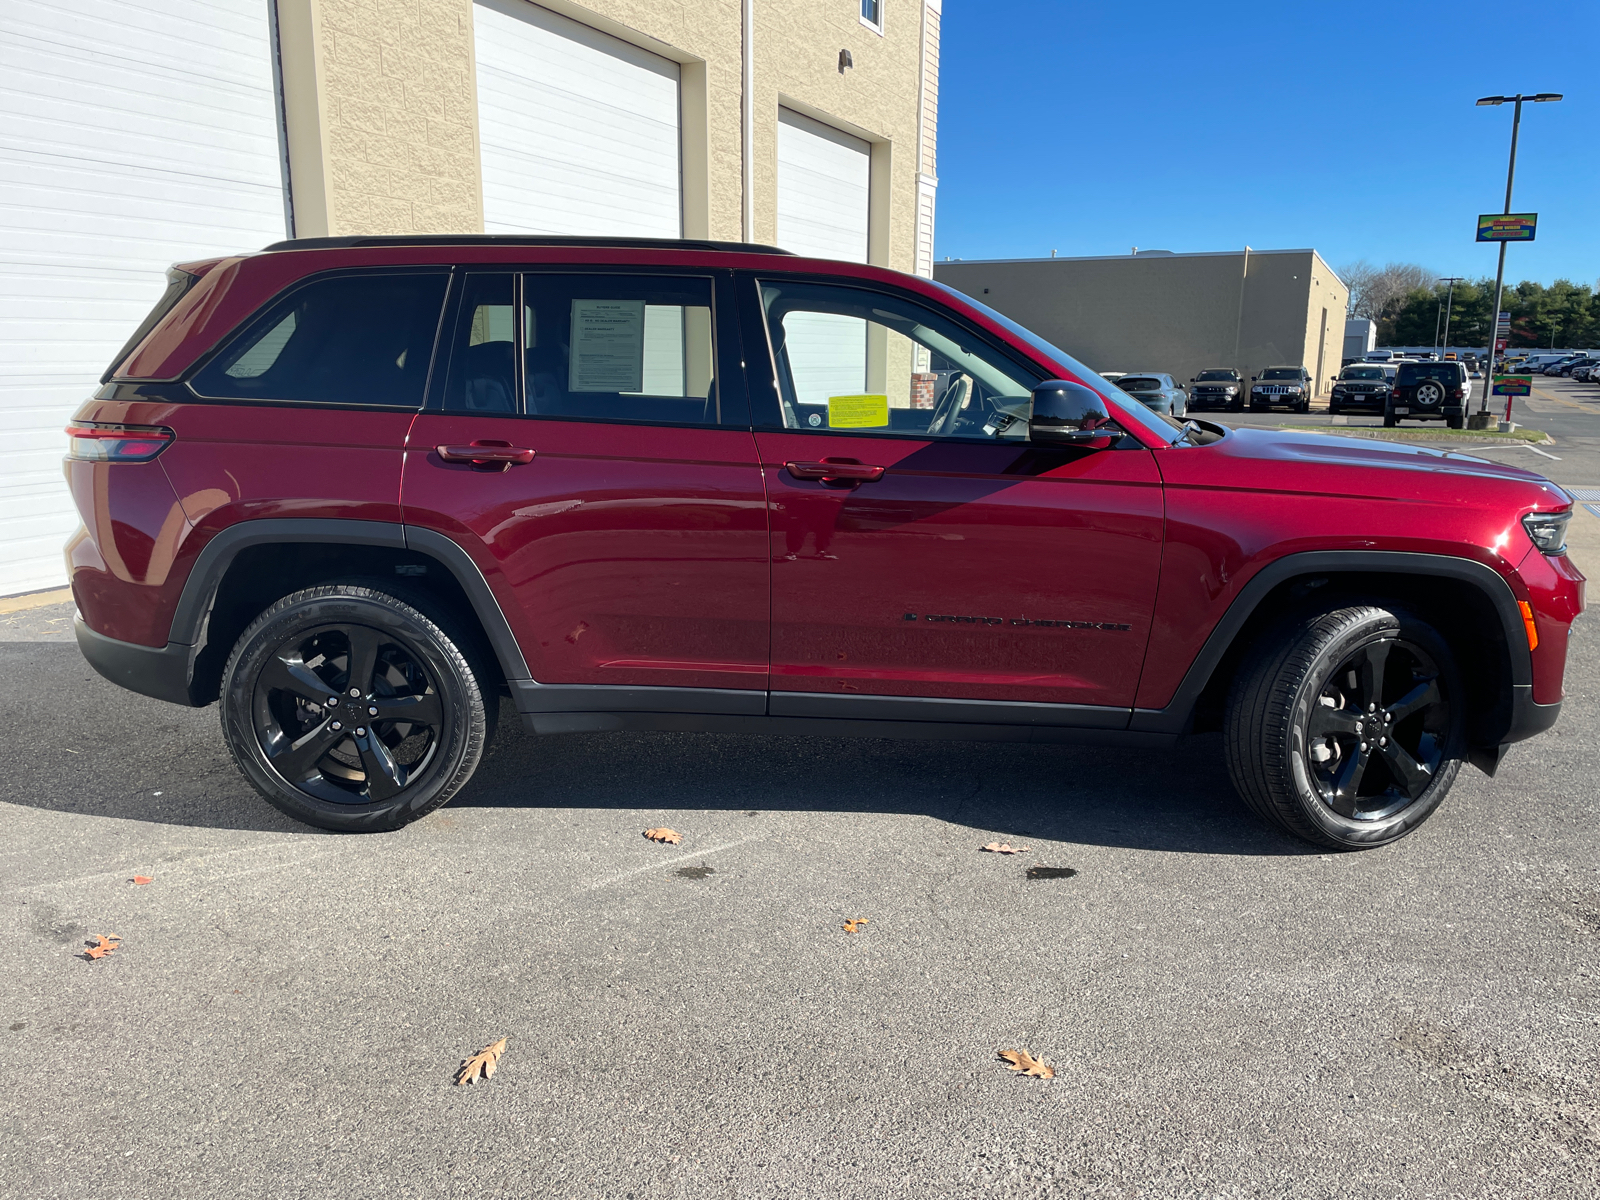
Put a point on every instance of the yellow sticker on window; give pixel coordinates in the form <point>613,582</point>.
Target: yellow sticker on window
<point>858,412</point>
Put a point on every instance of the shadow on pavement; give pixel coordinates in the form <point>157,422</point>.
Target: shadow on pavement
<point>75,743</point>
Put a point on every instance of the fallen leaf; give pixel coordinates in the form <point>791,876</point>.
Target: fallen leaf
<point>105,943</point>
<point>1027,1064</point>
<point>141,879</point>
<point>854,924</point>
<point>1003,848</point>
<point>664,835</point>
<point>481,1064</point>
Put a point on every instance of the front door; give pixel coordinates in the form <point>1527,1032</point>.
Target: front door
<point>921,547</point>
<point>626,535</point>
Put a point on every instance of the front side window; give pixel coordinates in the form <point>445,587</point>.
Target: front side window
<point>344,339</point>
<point>594,347</point>
<point>850,359</point>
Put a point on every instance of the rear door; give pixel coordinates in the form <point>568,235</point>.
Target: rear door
<point>628,547</point>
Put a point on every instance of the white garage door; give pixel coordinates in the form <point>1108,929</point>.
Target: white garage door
<point>131,137</point>
<point>824,184</point>
<point>578,131</point>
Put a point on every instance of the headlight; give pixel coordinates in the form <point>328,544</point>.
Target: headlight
<point>1230,390</point>
<point>1548,531</point>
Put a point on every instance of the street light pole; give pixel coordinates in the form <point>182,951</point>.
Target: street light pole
<point>1449,296</point>
<point>1500,272</point>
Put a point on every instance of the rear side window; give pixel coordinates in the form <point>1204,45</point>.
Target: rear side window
<point>346,339</point>
<point>178,285</point>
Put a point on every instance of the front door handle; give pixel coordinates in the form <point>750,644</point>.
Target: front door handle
<point>486,455</point>
<point>835,470</point>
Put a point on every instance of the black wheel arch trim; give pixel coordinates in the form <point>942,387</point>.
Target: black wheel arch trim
<point>188,631</point>
<point>1179,712</point>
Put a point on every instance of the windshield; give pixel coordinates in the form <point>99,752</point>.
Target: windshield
<point>1280,373</point>
<point>1216,377</point>
<point>1132,412</point>
<point>1139,383</point>
<point>1361,373</point>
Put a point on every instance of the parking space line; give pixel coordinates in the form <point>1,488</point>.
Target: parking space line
<point>668,862</point>
<point>1536,450</point>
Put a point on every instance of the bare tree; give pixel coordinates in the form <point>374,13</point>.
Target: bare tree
<point>1378,292</point>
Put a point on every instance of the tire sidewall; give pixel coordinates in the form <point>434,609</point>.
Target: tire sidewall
<point>1382,624</point>
<point>460,736</point>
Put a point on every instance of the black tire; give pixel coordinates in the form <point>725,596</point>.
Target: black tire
<point>1299,739</point>
<point>318,753</point>
<point>1236,406</point>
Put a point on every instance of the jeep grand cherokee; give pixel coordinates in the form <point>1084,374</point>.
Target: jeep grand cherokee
<point>362,491</point>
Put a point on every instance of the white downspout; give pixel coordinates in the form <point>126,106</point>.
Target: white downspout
<point>747,123</point>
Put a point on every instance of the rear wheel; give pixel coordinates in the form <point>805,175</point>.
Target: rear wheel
<point>349,709</point>
<point>1346,727</point>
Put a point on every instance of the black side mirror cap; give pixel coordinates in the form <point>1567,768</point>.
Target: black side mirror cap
<point>1069,414</point>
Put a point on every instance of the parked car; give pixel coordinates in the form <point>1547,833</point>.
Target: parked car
<point>361,492</point>
<point>1362,388</point>
<point>1289,386</point>
<point>1583,370</point>
<point>1379,356</point>
<point>1159,392</point>
<point>1217,387</point>
<point>1433,391</point>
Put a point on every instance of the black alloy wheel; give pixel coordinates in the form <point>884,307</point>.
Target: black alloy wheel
<point>1346,727</point>
<point>349,708</point>
<point>348,714</point>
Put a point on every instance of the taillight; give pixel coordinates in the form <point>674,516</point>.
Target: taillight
<point>94,441</point>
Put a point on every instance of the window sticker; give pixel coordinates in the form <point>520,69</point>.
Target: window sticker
<point>858,412</point>
<point>607,346</point>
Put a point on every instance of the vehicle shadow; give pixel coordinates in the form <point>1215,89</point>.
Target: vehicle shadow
<point>75,743</point>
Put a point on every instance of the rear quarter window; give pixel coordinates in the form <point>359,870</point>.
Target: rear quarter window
<point>345,339</point>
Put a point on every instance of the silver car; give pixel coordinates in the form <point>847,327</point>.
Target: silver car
<point>1156,390</point>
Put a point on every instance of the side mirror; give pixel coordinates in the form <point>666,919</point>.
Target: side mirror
<point>1069,414</point>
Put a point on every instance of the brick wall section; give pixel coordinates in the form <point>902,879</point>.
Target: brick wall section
<point>401,116</point>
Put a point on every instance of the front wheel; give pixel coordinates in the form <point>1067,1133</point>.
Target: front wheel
<point>349,709</point>
<point>1346,728</point>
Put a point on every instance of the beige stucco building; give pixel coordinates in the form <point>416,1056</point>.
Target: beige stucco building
<point>168,131</point>
<point>383,104</point>
<point>1178,313</point>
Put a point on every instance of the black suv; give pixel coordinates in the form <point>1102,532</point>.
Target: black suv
<point>1428,391</point>
<point>1361,386</point>
<point>1290,386</point>
<point>1217,387</point>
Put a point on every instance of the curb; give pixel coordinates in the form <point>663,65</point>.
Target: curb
<point>11,604</point>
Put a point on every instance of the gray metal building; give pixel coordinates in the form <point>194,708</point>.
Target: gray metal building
<point>1181,313</point>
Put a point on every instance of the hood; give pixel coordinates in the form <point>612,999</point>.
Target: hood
<point>1215,383</point>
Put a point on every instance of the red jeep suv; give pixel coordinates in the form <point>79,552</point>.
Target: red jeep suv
<point>363,490</point>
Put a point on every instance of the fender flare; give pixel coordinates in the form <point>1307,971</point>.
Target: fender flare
<point>194,605</point>
<point>1179,712</point>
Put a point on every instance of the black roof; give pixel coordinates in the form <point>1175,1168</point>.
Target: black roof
<point>517,239</point>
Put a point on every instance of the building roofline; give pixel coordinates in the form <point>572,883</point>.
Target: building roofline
<point>502,239</point>
<point>1127,257</point>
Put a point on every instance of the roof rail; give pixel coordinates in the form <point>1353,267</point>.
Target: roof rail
<point>517,239</point>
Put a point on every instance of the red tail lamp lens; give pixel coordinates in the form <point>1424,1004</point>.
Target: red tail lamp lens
<point>95,442</point>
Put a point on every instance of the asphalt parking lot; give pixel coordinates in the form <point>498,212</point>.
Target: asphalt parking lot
<point>1229,1013</point>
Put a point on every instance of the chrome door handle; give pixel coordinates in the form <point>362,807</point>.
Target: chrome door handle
<point>835,470</point>
<point>486,455</point>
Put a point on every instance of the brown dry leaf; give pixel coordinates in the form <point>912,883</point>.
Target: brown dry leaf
<point>1003,848</point>
<point>664,835</point>
<point>105,943</point>
<point>142,879</point>
<point>854,924</point>
<point>481,1064</point>
<point>1027,1064</point>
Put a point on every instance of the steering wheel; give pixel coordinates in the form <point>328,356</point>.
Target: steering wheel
<point>944,417</point>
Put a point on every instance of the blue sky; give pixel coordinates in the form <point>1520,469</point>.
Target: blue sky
<point>1089,128</point>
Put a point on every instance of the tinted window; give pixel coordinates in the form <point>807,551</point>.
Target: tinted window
<point>1280,373</point>
<point>348,339</point>
<point>1362,373</point>
<point>1216,377</point>
<point>1139,383</point>
<point>859,361</point>
<point>483,362</point>
<point>1444,372</point>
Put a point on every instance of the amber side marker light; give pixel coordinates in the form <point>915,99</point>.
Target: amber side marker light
<point>92,441</point>
<point>1527,623</point>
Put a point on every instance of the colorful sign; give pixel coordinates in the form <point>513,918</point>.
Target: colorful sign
<point>1512,385</point>
<point>858,412</point>
<point>1507,227</point>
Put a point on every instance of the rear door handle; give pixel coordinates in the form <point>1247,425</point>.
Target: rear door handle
<point>835,470</point>
<point>486,454</point>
